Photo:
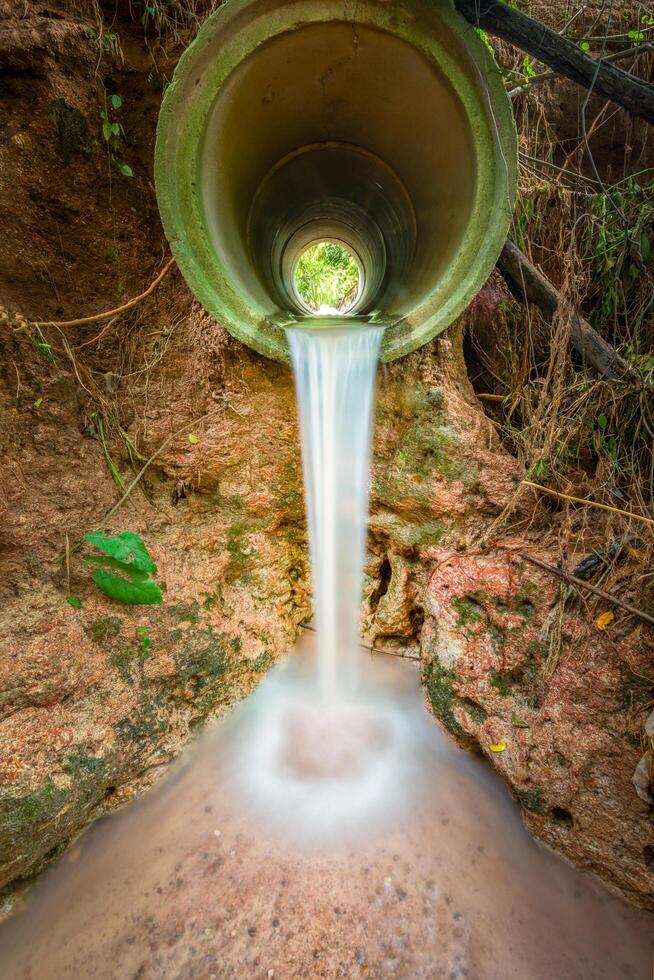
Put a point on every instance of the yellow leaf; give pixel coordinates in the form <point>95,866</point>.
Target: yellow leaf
<point>498,747</point>
<point>635,553</point>
<point>37,402</point>
<point>193,438</point>
<point>604,620</point>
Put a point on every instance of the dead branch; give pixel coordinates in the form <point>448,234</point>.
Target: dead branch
<point>528,284</point>
<point>546,76</point>
<point>614,600</point>
<point>587,503</point>
<point>561,54</point>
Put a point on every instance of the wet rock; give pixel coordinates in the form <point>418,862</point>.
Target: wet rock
<point>395,609</point>
<point>643,778</point>
<point>551,707</point>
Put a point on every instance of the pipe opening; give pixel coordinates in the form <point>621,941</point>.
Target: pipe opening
<point>289,124</point>
<point>328,278</point>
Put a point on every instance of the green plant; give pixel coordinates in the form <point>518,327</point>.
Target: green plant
<point>99,428</point>
<point>145,642</point>
<point>45,349</point>
<point>528,69</point>
<point>125,572</point>
<point>113,133</point>
<point>107,41</point>
<point>327,275</point>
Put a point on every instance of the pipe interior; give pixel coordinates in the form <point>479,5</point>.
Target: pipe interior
<point>341,132</point>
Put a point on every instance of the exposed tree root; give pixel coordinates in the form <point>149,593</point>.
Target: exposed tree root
<point>96,317</point>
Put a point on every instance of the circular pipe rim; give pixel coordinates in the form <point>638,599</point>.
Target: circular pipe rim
<point>201,72</point>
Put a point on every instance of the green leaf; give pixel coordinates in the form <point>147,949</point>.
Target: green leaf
<point>124,168</point>
<point>106,130</point>
<point>644,247</point>
<point>73,601</point>
<point>584,45</point>
<point>602,421</point>
<point>116,101</point>
<point>124,547</point>
<point>517,722</point>
<point>138,589</point>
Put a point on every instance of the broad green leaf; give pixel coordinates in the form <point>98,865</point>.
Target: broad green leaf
<point>124,547</point>
<point>73,601</point>
<point>116,101</point>
<point>138,589</point>
<point>602,421</point>
<point>124,168</point>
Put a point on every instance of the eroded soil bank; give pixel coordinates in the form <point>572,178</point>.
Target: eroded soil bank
<point>90,714</point>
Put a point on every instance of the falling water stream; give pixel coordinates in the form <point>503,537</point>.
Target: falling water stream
<point>327,828</point>
<point>334,378</point>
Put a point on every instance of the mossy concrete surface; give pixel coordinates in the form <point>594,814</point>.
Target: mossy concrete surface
<point>224,55</point>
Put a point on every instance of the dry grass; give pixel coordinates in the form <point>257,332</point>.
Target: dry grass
<point>585,215</point>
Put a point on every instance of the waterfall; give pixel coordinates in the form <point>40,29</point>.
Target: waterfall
<point>334,377</point>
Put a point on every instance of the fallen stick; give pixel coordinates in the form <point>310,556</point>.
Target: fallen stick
<point>119,309</point>
<point>562,55</point>
<point>588,503</point>
<point>529,284</point>
<point>386,651</point>
<point>572,580</point>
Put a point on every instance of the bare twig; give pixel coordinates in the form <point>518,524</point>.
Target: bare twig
<point>581,584</point>
<point>588,503</point>
<point>174,435</point>
<point>386,651</point>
